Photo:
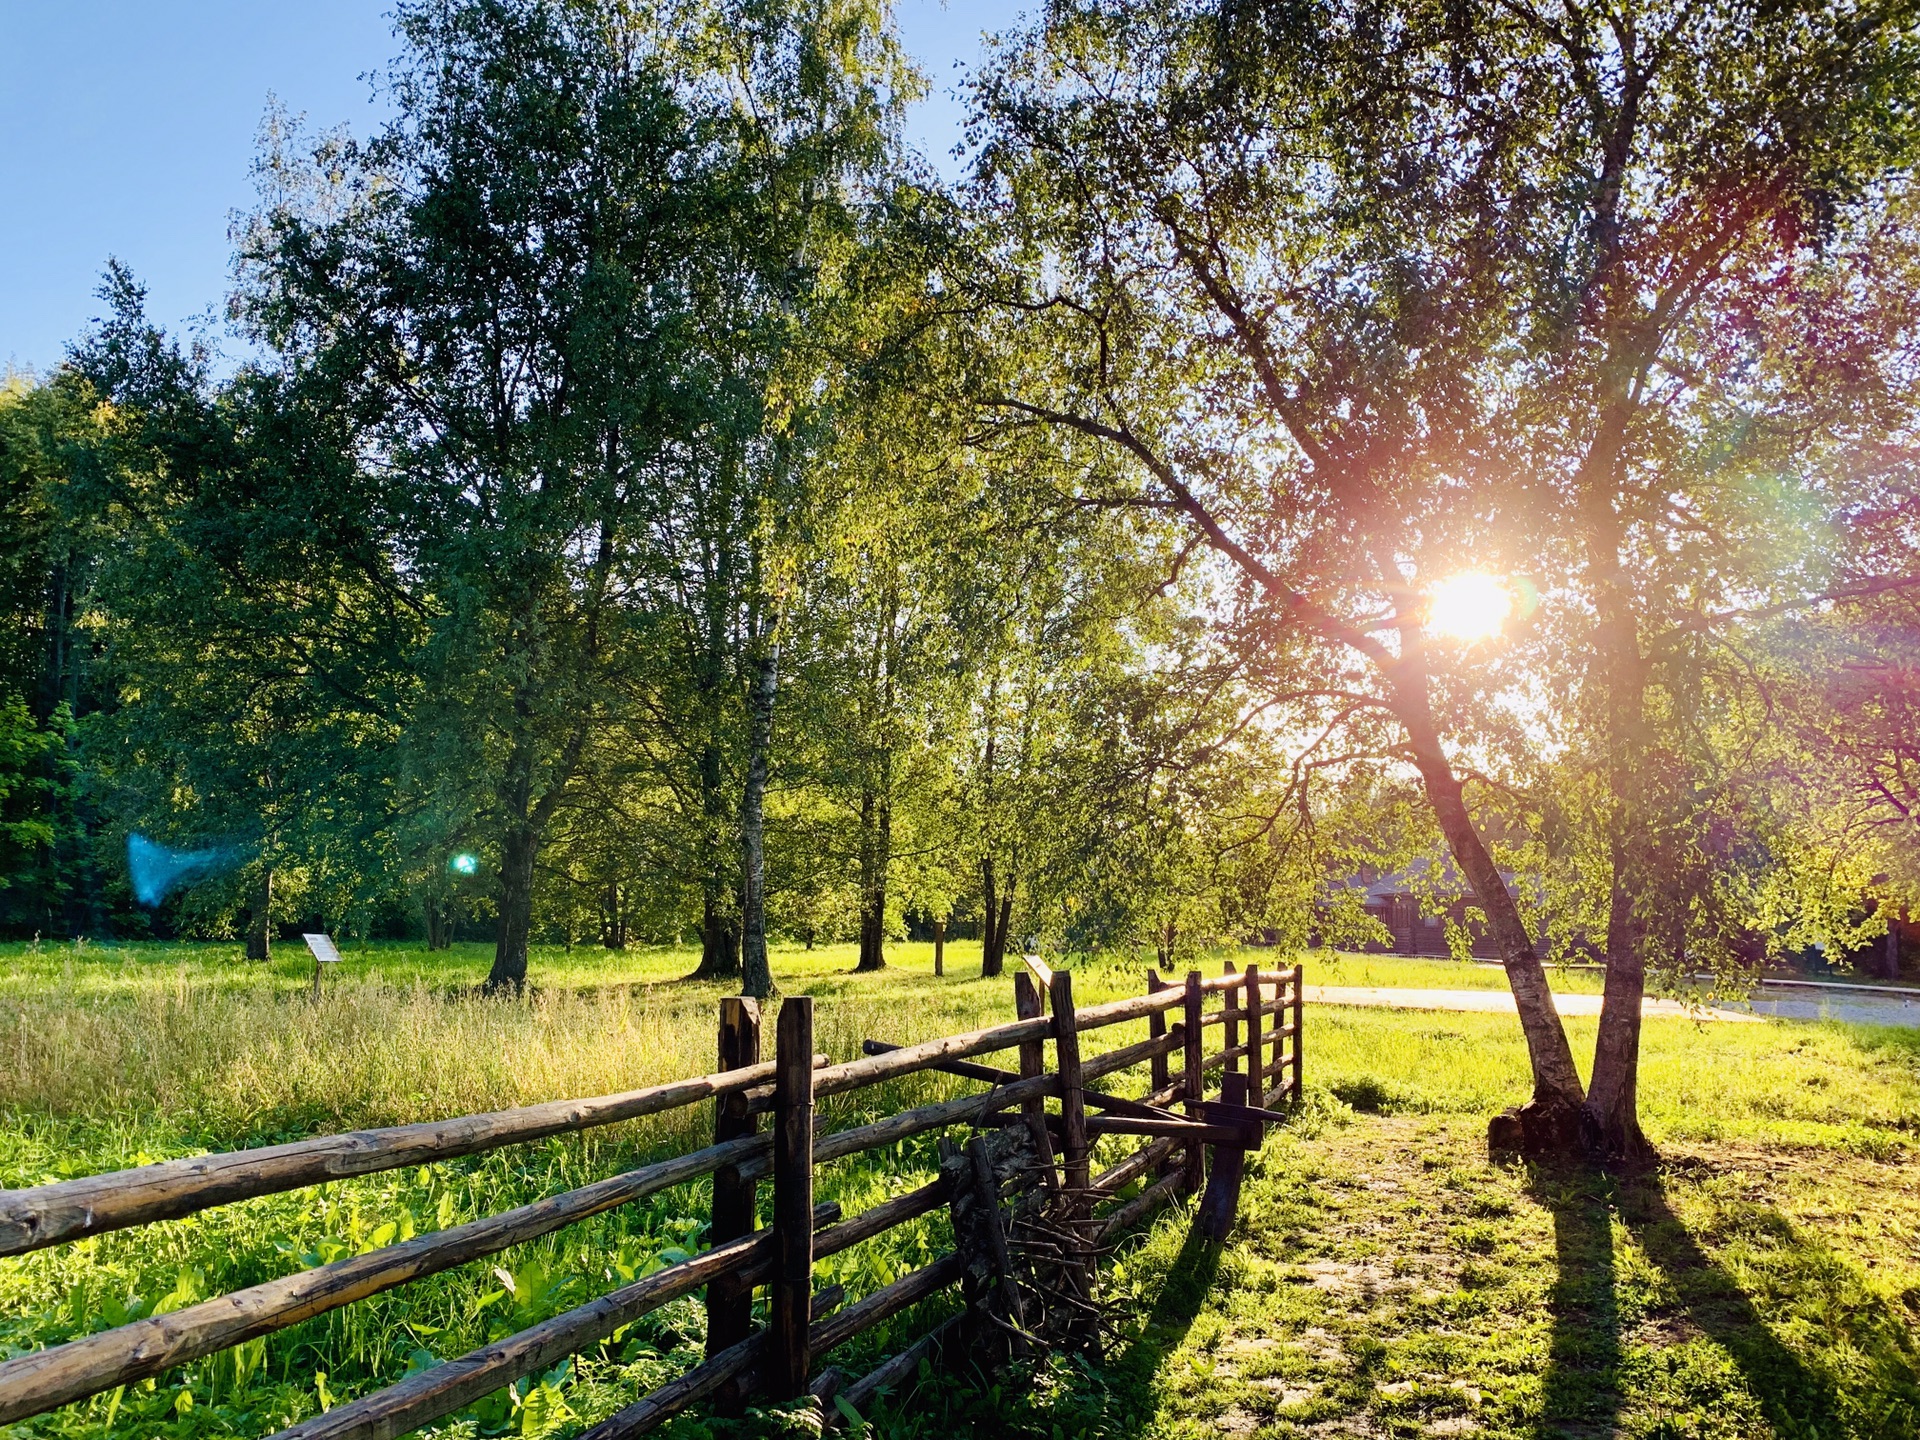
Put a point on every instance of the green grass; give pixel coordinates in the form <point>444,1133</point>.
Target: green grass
<point>1785,1228</point>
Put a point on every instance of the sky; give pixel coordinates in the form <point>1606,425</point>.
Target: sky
<point>127,129</point>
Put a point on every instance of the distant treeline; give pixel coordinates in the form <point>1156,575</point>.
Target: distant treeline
<point>649,504</point>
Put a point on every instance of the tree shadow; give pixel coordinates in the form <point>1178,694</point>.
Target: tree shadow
<point>1583,1353</point>
<point>1587,1351</point>
<point>1794,1398</point>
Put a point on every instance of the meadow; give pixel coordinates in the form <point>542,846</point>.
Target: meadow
<point>1386,1279</point>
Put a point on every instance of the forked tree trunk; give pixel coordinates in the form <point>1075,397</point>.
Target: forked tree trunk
<point>439,922</point>
<point>997,910</point>
<point>756,977</point>
<point>260,918</point>
<point>1550,1121</point>
<point>1610,1121</point>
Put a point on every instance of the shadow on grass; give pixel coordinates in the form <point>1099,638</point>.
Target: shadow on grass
<point>1583,1353</point>
<point>1795,1399</point>
<point>1589,1374</point>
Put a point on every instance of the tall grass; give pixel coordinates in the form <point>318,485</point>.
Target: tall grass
<point>111,1056</point>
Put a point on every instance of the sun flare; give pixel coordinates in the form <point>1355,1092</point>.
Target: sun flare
<point>1469,606</point>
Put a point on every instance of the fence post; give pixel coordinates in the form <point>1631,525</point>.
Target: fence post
<point>1230,1004</point>
<point>1299,1030</point>
<point>1073,1108</point>
<point>787,1356</point>
<point>1028,1005</point>
<point>1195,1083</point>
<point>1157,1029</point>
<point>1256,1060</point>
<point>1158,1068</point>
<point>729,1304</point>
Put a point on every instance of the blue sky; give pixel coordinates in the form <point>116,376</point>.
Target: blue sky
<point>127,128</point>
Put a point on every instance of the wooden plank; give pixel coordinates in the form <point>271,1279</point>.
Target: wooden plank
<point>901,1368</point>
<point>986,1193</point>
<point>741,1363</point>
<point>1117,1177</point>
<point>1039,969</point>
<point>1125,1057</point>
<point>1196,1073</point>
<point>1029,1004</point>
<point>1073,1110</point>
<point>791,1293</point>
<point>1194,1131</point>
<point>729,1301</point>
<point>1095,1068</point>
<point>1220,1204</point>
<point>872,1069</point>
<point>436,1393</point>
<point>47,1379</point>
<point>877,1219</point>
<point>69,1209</point>
<point>884,1304</point>
<point>1142,1205</point>
<point>908,1123</point>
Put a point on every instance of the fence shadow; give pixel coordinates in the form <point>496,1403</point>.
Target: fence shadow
<point>1583,1353</point>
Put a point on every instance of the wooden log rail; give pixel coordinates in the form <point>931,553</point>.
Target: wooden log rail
<point>803,1326</point>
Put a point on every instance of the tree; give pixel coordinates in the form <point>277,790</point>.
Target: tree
<point>1371,300</point>
<point>499,290</point>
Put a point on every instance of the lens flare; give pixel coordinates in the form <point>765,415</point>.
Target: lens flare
<point>155,870</point>
<point>466,864</point>
<point>1469,606</point>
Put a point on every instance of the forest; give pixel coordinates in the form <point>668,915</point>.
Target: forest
<point>636,500</point>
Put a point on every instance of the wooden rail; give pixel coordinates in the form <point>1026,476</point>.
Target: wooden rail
<point>780,1361</point>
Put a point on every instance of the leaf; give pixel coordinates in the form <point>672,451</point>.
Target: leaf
<point>845,1407</point>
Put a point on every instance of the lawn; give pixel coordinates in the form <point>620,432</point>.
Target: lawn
<point>1385,1280</point>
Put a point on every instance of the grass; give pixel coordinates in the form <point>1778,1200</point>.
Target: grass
<point>1385,1280</point>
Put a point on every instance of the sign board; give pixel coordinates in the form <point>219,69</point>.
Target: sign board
<point>323,949</point>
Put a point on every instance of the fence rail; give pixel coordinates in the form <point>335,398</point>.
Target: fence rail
<point>779,1361</point>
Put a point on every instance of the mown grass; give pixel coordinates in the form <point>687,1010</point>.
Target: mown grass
<point>110,1057</point>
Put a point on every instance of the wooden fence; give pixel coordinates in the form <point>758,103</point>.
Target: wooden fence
<point>1079,1209</point>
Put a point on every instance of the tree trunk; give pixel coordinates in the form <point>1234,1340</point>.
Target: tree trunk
<point>260,918</point>
<point>613,919</point>
<point>756,978</point>
<point>1610,1122</point>
<point>876,854</point>
<point>719,931</point>
<point>509,972</point>
<point>940,945</point>
<point>1551,1120</point>
<point>719,942</point>
<point>993,943</point>
<point>439,922</point>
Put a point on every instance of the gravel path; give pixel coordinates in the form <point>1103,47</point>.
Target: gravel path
<point>1501,1001</point>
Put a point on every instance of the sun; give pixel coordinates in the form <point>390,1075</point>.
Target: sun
<point>1469,606</point>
